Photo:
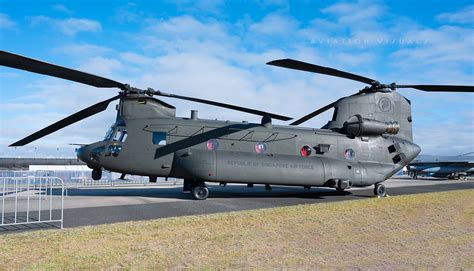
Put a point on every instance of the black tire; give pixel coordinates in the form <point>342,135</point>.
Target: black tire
<point>340,190</point>
<point>462,177</point>
<point>379,190</point>
<point>200,192</point>
<point>96,174</point>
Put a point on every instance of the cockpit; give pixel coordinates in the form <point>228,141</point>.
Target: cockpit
<point>116,133</point>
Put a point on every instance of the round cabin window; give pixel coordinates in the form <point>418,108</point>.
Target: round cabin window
<point>212,144</point>
<point>349,154</point>
<point>261,147</point>
<point>305,151</point>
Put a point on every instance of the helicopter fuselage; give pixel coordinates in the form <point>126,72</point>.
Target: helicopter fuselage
<point>241,152</point>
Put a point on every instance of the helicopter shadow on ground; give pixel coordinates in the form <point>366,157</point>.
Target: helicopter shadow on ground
<point>215,192</point>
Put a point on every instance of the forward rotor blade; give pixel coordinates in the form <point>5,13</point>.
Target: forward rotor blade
<point>28,64</point>
<point>229,106</point>
<point>303,66</point>
<point>85,113</point>
<point>440,88</point>
<point>313,114</point>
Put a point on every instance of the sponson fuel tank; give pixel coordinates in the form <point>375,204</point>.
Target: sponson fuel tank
<point>240,167</point>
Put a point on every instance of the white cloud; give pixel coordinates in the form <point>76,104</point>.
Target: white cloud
<point>6,22</point>
<point>275,3</point>
<point>359,12</point>
<point>446,46</point>
<point>70,26</point>
<point>101,66</point>
<point>73,26</point>
<point>442,141</point>
<point>274,24</point>
<point>463,16</point>
<point>83,50</point>
<point>188,26</point>
<point>201,6</point>
<point>63,9</point>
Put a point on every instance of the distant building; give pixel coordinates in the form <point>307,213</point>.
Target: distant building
<point>25,163</point>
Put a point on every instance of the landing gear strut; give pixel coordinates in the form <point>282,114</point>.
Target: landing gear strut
<point>96,174</point>
<point>379,190</point>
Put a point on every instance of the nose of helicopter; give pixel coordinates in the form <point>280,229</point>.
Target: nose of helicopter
<point>82,153</point>
<point>90,154</point>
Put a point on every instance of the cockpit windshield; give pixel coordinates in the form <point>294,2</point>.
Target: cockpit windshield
<point>116,133</point>
<point>109,134</point>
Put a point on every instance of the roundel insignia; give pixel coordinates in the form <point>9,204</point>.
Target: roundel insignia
<point>212,144</point>
<point>261,147</point>
<point>385,104</point>
<point>349,154</point>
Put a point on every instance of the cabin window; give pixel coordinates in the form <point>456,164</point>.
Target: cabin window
<point>159,138</point>
<point>349,154</point>
<point>261,147</point>
<point>212,144</point>
<point>305,151</point>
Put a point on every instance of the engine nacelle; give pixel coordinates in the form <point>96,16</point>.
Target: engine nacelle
<point>358,126</point>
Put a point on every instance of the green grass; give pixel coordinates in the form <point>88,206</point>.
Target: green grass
<point>432,231</point>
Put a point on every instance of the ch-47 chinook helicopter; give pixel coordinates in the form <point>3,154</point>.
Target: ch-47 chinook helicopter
<point>368,139</point>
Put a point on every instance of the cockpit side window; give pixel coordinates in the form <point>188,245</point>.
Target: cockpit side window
<point>120,135</point>
<point>159,138</point>
<point>124,136</point>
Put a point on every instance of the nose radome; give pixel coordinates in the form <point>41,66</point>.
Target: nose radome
<point>82,153</point>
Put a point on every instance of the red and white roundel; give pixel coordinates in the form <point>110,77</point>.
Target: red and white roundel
<point>306,151</point>
<point>212,144</point>
<point>261,147</point>
<point>349,154</point>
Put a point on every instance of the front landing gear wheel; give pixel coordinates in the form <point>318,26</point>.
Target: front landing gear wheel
<point>96,174</point>
<point>379,190</point>
<point>200,192</point>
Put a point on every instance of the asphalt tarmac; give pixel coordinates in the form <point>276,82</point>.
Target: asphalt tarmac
<point>102,205</point>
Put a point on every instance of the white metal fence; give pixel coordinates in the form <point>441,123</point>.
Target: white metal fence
<point>81,178</point>
<point>31,200</point>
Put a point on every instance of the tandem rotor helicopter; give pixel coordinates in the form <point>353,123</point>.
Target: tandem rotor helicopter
<point>368,139</point>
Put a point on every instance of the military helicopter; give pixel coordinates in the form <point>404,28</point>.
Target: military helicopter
<point>368,139</point>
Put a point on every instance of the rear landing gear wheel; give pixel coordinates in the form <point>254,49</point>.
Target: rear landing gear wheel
<point>379,190</point>
<point>340,190</point>
<point>200,192</point>
<point>462,177</point>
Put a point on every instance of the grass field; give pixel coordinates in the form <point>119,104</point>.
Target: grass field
<point>428,231</point>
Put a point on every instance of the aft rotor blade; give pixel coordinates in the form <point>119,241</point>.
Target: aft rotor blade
<point>313,114</point>
<point>303,66</point>
<point>85,113</point>
<point>229,106</point>
<point>28,64</point>
<point>440,88</point>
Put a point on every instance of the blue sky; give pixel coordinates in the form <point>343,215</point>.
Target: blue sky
<point>218,50</point>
